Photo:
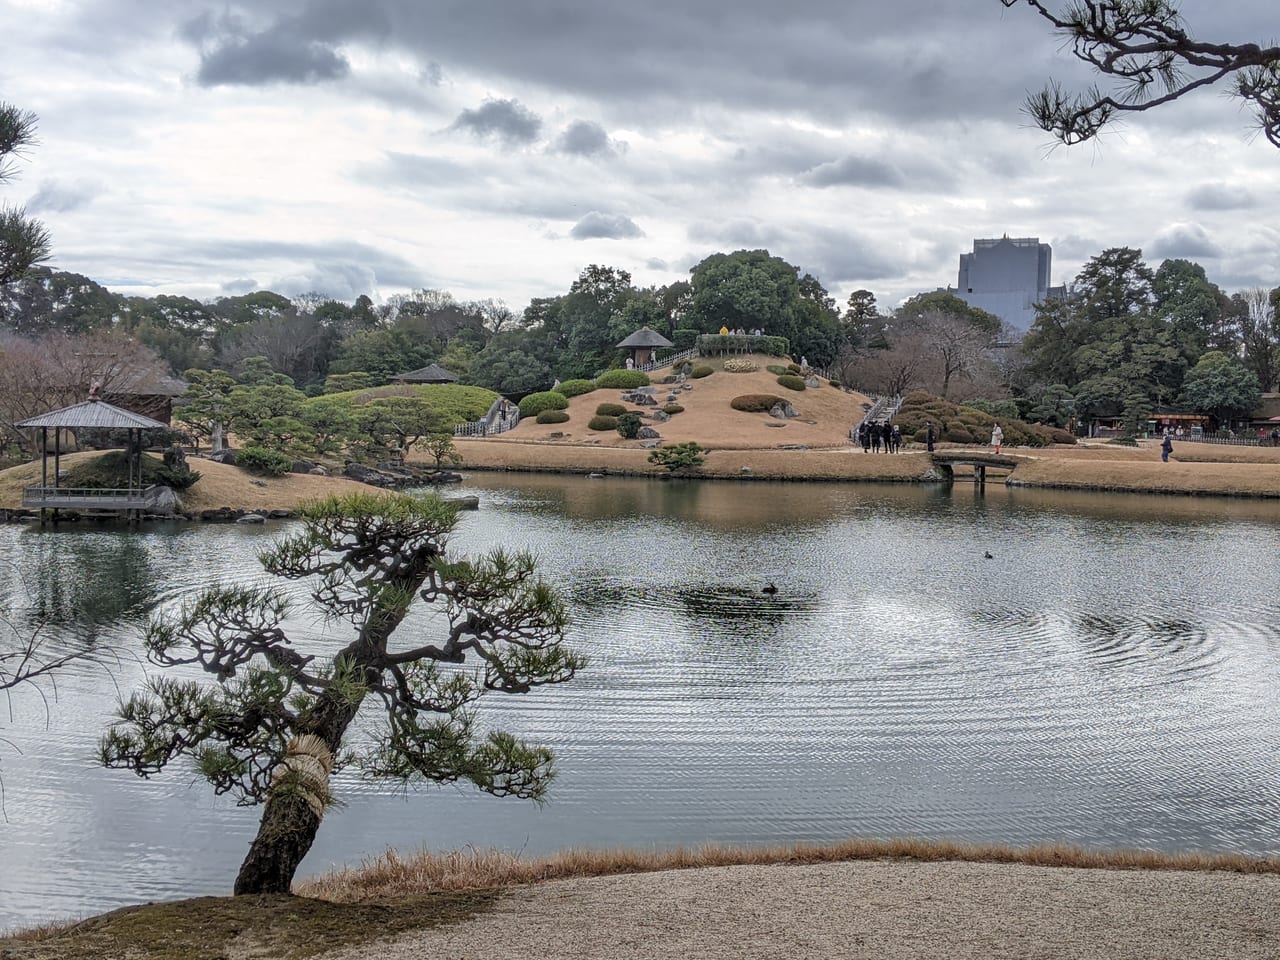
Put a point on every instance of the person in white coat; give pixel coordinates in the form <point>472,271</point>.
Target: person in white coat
<point>997,437</point>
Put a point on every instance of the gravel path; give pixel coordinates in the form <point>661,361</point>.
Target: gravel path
<point>888,910</point>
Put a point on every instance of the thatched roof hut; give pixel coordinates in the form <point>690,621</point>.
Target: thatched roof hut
<point>431,373</point>
<point>641,345</point>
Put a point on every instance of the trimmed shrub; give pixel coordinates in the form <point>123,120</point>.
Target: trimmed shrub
<point>599,422</point>
<point>629,426</point>
<point>836,384</point>
<point>672,409</point>
<point>679,456</point>
<point>610,410</point>
<point>791,381</point>
<point>740,365</point>
<point>264,462</point>
<point>576,388</point>
<point>553,416</point>
<point>776,369</point>
<point>535,403</point>
<point>700,371</point>
<point>622,379</point>
<point>755,402</point>
<point>794,368</point>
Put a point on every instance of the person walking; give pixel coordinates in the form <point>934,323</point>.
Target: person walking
<point>1166,447</point>
<point>928,435</point>
<point>997,436</point>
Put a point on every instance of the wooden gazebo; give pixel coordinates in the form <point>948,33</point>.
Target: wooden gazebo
<point>642,344</point>
<point>93,414</point>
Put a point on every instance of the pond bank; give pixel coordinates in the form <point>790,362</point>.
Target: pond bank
<point>1242,472</point>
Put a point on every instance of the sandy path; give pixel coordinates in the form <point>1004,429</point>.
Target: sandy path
<point>889,910</point>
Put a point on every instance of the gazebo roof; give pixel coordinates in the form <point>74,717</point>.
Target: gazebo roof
<point>96,414</point>
<point>428,374</point>
<point>644,337</point>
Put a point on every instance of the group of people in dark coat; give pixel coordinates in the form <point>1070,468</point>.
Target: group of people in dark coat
<point>872,436</point>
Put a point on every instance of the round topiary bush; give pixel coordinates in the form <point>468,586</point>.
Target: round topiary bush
<point>794,367</point>
<point>791,381</point>
<point>672,408</point>
<point>776,369</point>
<point>576,388</point>
<point>553,416</point>
<point>610,410</point>
<point>700,371</point>
<point>599,422</point>
<point>260,460</point>
<point>835,383</point>
<point>622,380</point>
<point>629,426</point>
<point>754,402</point>
<point>740,365</point>
<point>535,403</point>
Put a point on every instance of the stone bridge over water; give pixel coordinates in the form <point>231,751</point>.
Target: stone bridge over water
<point>947,460</point>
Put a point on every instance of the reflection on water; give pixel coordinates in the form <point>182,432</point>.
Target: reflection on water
<point>1109,677</point>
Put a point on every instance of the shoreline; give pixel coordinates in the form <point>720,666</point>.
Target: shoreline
<point>1085,469</point>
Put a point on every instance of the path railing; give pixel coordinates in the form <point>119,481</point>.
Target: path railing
<point>502,416</point>
<point>670,361</point>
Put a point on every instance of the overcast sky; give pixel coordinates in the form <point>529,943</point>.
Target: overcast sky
<point>493,148</point>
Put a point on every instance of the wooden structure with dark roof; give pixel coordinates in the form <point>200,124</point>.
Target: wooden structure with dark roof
<point>641,346</point>
<point>92,414</point>
<point>428,374</point>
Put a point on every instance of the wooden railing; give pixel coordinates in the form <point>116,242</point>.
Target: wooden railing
<point>92,498</point>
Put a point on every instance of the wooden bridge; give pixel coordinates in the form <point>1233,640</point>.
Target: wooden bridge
<point>947,460</point>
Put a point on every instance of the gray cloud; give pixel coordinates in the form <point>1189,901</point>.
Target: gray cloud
<point>56,197</point>
<point>585,139</point>
<point>1221,196</point>
<point>1184,240</point>
<point>507,120</point>
<point>854,171</point>
<point>596,225</point>
<point>857,170</point>
<point>231,54</point>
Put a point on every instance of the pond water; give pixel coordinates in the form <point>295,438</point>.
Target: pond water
<point>1109,677</point>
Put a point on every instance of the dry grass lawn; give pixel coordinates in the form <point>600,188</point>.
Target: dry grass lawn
<point>219,486</point>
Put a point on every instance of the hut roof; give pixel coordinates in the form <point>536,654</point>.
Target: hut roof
<point>428,374</point>
<point>96,414</point>
<point>644,337</point>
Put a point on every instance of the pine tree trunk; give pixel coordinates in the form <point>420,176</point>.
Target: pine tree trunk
<point>285,834</point>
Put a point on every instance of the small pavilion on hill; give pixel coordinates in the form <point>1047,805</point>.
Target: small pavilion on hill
<point>641,345</point>
<point>92,414</point>
<point>428,374</point>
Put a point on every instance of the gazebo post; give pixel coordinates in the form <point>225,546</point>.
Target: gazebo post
<point>57,464</point>
<point>44,467</point>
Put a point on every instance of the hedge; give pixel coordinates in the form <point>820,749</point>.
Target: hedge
<point>700,371</point>
<point>535,403</point>
<point>622,379</point>
<point>791,381</point>
<point>755,402</point>
<point>610,410</point>
<point>599,422</point>
<point>553,416</point>
<point>576,388</point>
